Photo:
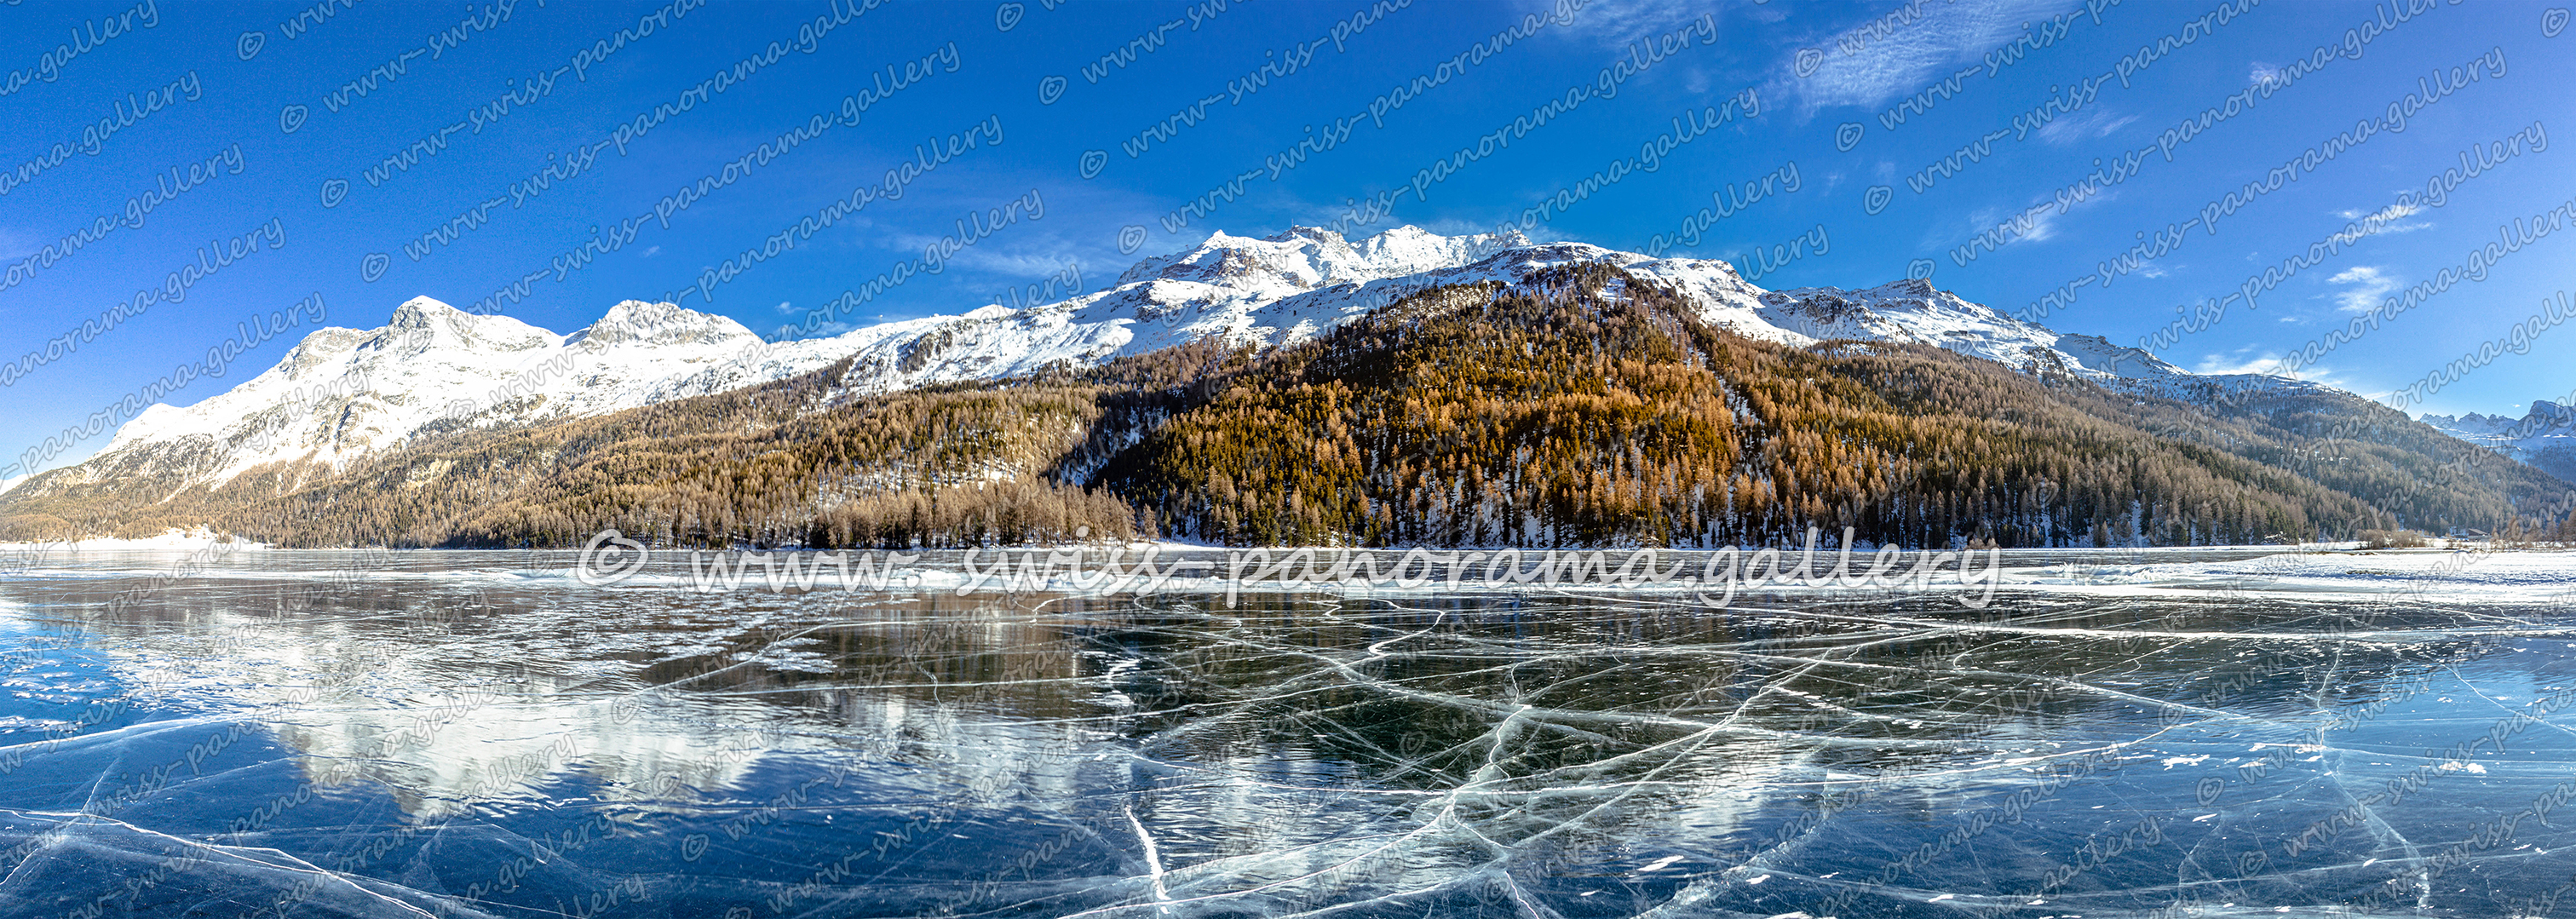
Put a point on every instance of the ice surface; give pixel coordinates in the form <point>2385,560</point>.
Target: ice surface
<point>2167,733</point>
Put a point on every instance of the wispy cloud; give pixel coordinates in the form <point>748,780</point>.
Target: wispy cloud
<point>2388,218</point>
<point>1033,260</point>
<point>1615,23</point>
<point>2241,360</point>
<point>1025,264</point>
<point>2257,359</point>
<point>2363,286</point>
<point>2092,125</point>
<point>1909,55</point>
<point>1452,226</point>
<point>2042,223</point>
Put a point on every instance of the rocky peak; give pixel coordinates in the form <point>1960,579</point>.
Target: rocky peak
<point>1305,258</point>
<point>422,324</point>
<point>639,322</point>
<point>2095,352</point>
<point>1906,287</point>
<point>1317,234</point>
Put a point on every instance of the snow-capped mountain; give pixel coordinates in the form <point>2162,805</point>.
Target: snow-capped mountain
<point>344,393</point>
<point>1912,311</point>
<point>2548,424</point>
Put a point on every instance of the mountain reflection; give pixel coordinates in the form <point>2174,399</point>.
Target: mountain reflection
<point>1080,753</point>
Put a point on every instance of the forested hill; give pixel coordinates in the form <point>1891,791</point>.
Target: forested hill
<point>1582,405</point>
<point>1588,406</point>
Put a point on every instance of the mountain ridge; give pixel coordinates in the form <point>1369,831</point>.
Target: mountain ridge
<point>1177,331</point>
<point>1267,292</point>
<point>2545,436</point>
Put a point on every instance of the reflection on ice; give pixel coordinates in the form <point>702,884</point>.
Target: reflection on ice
<point>475,734</point>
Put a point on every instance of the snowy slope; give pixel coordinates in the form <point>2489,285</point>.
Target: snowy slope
<point>344,393</point>
<point>1912,311</point>
<point>1262,292</point>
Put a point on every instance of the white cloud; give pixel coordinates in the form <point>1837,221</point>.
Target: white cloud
<point>2086,126</point>
<point>1615,23</point>
<point>2256,359</point>
<point>1026,265</point>
<point>1026,261</point>
<point>1450,226</point>
<point>2042,224</point>
<point>785,307</point>
<point>2241,360</point>
<point>2363,286</point>
<point>1906,56</point>
<point>653,251</point>
<point>2387,218</point>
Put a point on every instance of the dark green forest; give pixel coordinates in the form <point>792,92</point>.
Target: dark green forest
<point>1584,406</point>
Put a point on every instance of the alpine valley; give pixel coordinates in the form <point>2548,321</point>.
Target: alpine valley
<point>1302,388</point>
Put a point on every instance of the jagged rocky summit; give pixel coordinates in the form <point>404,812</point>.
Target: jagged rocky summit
<point>2545,436</point>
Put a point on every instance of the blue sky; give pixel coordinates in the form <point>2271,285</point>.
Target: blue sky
<point>546,101</point>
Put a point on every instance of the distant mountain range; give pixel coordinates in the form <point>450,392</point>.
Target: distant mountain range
<point>2544,437</point>
<point>347,403</point>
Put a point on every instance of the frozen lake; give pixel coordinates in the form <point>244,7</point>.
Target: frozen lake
<point>2169,732</point>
